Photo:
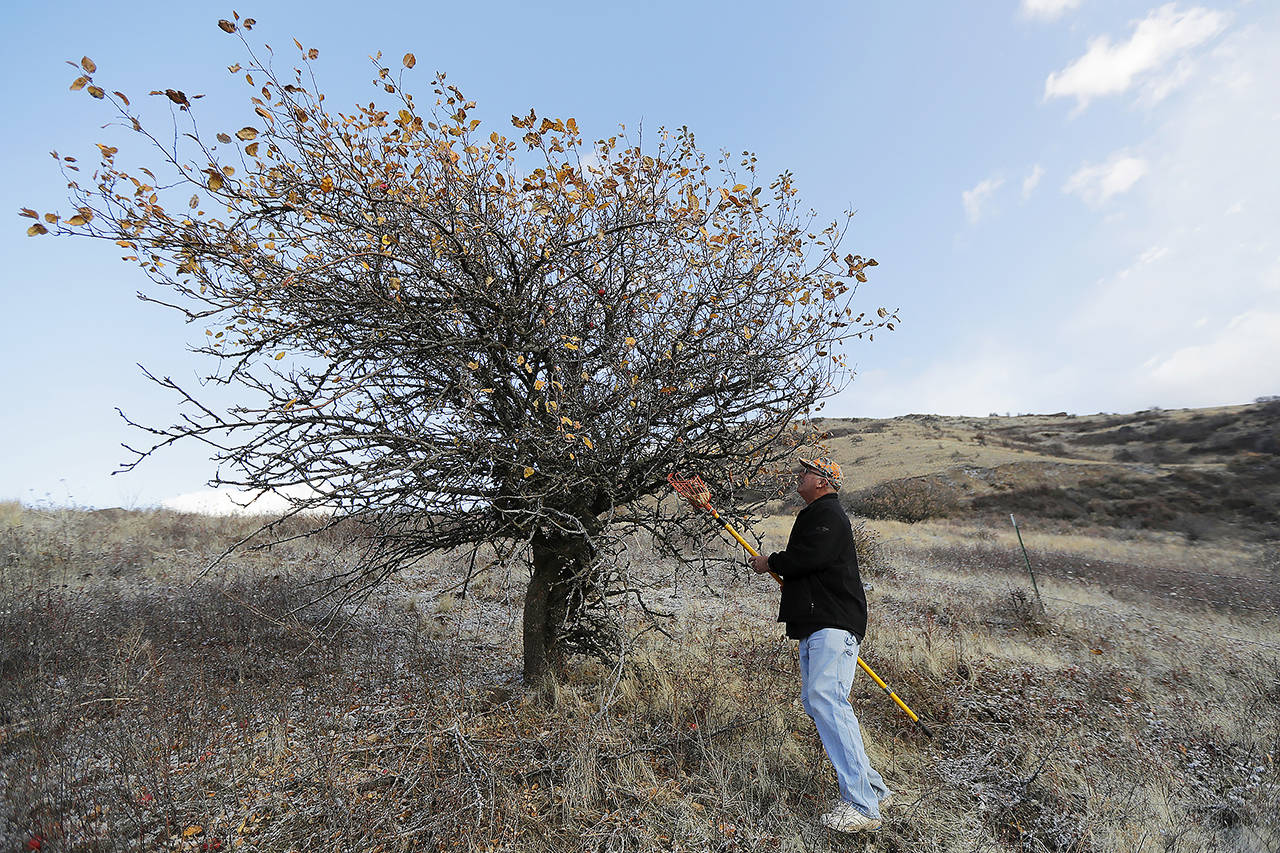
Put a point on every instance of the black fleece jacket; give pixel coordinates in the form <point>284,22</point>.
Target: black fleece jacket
<point>821,587</point>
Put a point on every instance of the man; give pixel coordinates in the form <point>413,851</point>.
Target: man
<point>825,608</point>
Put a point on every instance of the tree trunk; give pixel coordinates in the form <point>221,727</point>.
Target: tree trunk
<point>553,600</point>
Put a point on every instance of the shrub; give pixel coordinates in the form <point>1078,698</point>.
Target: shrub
<point>910,500</point>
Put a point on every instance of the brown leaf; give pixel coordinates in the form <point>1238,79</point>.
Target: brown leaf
<point>97,92</point>
<point>313,54</point>
<point>223,138</point>
<point>215,180</point>
<point>194,203</point>
<point>121,96</point>
<point>249,22</point>
<point>247,133</point>
<point>87,64</point>
<point>51,218</point>
<point>37,229</point>
<point>29,213</point>
<point>75,220</point>
<point>410,60</point>
<point>177,97</point>
<point>251,149</point>
<point>226,26</point>
<point>85,212</point>
<point>79,83</point>
<point>326,184</point>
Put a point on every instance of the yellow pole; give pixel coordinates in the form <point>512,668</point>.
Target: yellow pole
<point>868,670</point>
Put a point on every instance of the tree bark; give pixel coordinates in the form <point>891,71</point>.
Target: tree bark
<point>553,600</point>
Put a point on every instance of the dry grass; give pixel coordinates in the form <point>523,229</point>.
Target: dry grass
<point>142,711</point>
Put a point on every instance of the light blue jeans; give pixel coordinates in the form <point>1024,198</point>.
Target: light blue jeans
<point>828,661</point>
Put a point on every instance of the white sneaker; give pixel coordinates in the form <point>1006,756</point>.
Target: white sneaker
<point>886,803</point>
<point>844,817</point>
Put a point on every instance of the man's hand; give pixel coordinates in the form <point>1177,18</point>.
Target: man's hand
<point>759,565</point>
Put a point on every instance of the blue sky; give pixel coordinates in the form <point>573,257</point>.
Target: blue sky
<point>1075,203</point>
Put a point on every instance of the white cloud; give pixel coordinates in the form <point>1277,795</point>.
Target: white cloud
<point>1098,183</point>
<point>983,375</point>
<point>1048,9</point>
<point>230,502</point>
<point>1237,365</point>
<point>975,198</point>
<point>1031,181</point>
<point>1193,318</point>
<point>1111,69</point>
<point>1152,255</point>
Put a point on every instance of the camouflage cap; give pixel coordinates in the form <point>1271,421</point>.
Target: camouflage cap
<point>824,467</point>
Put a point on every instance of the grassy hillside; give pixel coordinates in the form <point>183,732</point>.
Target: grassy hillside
<point>144,706</point>
<point>1206,473</point>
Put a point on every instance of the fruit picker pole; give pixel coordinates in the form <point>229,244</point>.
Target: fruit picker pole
<point>699,496</point>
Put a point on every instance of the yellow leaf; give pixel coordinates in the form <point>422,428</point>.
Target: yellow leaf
<point>410,60</point>
<point>76,220</point>
<point>37,229</point>
<point>739,187</point>
<point>568,345</point>
<point>79,83</point>
<point>631,342</point>
<point>588,443</point>
<point>215,181</point>
<point>279,356</point>
<point>194,829</point>
<point>87,64</point>
<point>528,472</point>
<point>326,184</point>
<point>251,149</point>
<point>97,92</point>
<point>473,365</point>
<point>247,134</point>
<point>538,385</point>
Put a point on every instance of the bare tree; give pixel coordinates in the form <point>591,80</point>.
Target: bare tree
<point>459,337</point>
